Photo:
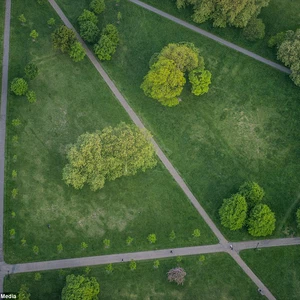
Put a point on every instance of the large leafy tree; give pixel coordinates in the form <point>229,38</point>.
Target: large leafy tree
<point>261,221</point>
<point>177,275</point>
<point>224,12</point>
<point>63,38</point>
<point>77,52</point>
<point>200,80</point>
<point>252,192</point>
<point>89,31</point>
<point>80,287</point>
<point>87,16</point>
<point>108,155</point>
<point>233,212</point>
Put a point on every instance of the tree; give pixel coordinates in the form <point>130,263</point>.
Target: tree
<point>132,265</point>
<point>109,268</point>
<point>15,140</point>
<point>119,16</point>
<point>201,258</point>
<point>34,35</point>
<point>179,259</point>
<point>37,276</point>
<point>22,19</point>
<point>108,155</point>
<point>129,240</point>
<point>19,86</point>
<point>31,71</point>
<point>31,96</point>
<point>23,293</point>
<point>298,217</point>
<point>252,192</point>
<point>255,30</point>
<point>60,248</point>
<point>14,193</point>
<point>277,39</point>
<point>97,6</point>
<point>164,82</point>
<point>261,220</point>
<point>35,250</point>
<point>177,275</point>
<point>156,264</point>
<point>63,38</point>
<point>16,122</point>
<point>196,233</point>
<point>235,13</point>
<point>77,52</point>
<point>83,245</point>
<point>87,16</point>
<point>233,212</point>
<point>51,22</point>
<point>151,238</point>
<point>13,214</point>
<point>200,80</point>
<point>14,174</point>
<point>12,233</point>
<point>106,243</point>
<point>89,31</point>
<point>172,236</point>
<point>80,287</point>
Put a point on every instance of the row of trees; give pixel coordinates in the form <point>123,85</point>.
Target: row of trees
<point>287,45</point>
<point>245,208</point>
<point>166,78</point>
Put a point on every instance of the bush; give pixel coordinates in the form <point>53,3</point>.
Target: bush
<point>77,52</point>
<point>19,86</point>
<point>252,192</point>
<point>22,19</point>
<point>34,35</point>
<point>255,30</point>
<point>132,265</point>
<point>31,71</point>
<point>261,221</point>
<point>51,22</point>
<point>87,16</point>
<point>233,212</point>
<point>31,96</point>
<point>151,238</point>
<point>298,217</point>
<point>200,80</point>
<point>196,233</point>
<point>97,6</point>
<point>89,31</point>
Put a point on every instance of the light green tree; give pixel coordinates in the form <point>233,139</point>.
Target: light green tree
<point>106,243</point>
<point>172,236</point>
<point>13,214</point>
<point>36,250</point>
<point>252,192</point>
<point>34,35</point>
<point>80,287</point>
<point>31,96</point>
<point>14,174</point>
<point>132,265</point>
<point>97,6</point>
<point>14,193</point>
<point>151,238</point>
<point>16,122</point>
<point>37,276</point>
<point>87,16</point>
<point>129,240</point>
<point>60,248</point>
<point>12,233</point>
<point>119,16</point>
<point>201,258</point>
<point>200,80</point>
<point>23,293</point>
<point>51,22</point>
<point>196,233</point>
<point>15,139</point>
<point>84,245</point>
<point>77,52</point>
<point>179,259</point>
<point>109,268</point>
<point>156,264</point>
<point>19,86</point>
<point>22,19</point>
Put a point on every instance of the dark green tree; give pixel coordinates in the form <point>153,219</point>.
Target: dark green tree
<point>252,192</point>
<point>87,16</point>
<point>63,38</point>
<point>31,71</point>
<point>89,31</point>
<point>255,30</point>
<point>97,6</point>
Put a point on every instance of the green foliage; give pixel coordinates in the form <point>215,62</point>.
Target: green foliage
<point>261,221</point>
<point>83,245</point>
<point>34,34</point>
<point>106,243</point>
<point>14,174</point>
<point>201,258</point>
<point>31,71</point>
<point>77,52</point>
<point>298,217</point>
<point>87,16</point>
<point>12,232</point>
<point>108,43</point>
<point>109,268</point>
<point>31,96</point>
<point>22,19</point>
<point>255,30</point>
<point>23,242</point>
<point>13,214</point>
<point>151,238</point>
<point>80,287</point>
<point>200,80</point>
<point>108,155</point>
<point>119,16</point>
<point>172,236</point>
<point>252,192</point>
<point>235,13</point>
<point>196,233</point>
<point>277,39</point>
<point>60,248</point>
<point>89,31</point>
<point>97,6</point>
<point>179,259</point>
<point>87,270</point>
<point>14,193</point>
<point>129,240</point>
<point>63,38</point>
<point>15,158</point>
<point>19,86</point>
<point>132,265</point>
<point>37,276</point>
<point>233,212</point>
<point>51,22</point>
<point>23,293</point>
<point>35,250</point>
<point>16,122</point>
<point>156,264</point>
<point>15,139</point>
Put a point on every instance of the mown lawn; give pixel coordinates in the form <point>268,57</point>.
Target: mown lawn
<point>278,268</point>
<point>245,128</point>
<point>278,16</point>
<point>73,99</point>
<point>218,277</point>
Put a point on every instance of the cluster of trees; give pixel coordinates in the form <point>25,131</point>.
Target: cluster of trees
<point>246,208</point>
<point>288,51</point>
<point>237,13</point>
<point>64,39</point>
<point>108,155</point>
<point>166,78</point>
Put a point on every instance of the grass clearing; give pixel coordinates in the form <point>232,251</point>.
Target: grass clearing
<point>278,16</point>
<point>73,99</point>
<point>245,128</point>
<point>278,268</point>
<point>208,280</point>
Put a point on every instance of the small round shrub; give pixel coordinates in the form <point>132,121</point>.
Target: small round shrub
<point>19,86</point>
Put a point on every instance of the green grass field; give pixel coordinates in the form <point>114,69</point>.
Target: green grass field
<point>246,127</point>
<point>73,99</point>
<point>278,16</point>
<point>278,268</point>
<point>209,280</point>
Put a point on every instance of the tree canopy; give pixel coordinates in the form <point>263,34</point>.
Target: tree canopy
<point>97,6</point>
<point>63,38</point>
<point>19,86</point>
<point>235,13</point>
<point>31,71</point>
<point>252,192</point>
<point>108,155</point>
<point>233,212</point>
<point>177,274</point>
<point>200,80</point>
<point>80,287</point>
<point>77,52</point>
<point>89,31</point>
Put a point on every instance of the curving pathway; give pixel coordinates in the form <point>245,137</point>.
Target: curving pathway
<point>212,36</point>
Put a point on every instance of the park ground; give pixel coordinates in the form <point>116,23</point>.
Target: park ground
<point>218,277</point>
<point>245,128</point>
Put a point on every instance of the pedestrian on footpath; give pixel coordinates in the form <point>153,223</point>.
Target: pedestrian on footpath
<point>231,247</point>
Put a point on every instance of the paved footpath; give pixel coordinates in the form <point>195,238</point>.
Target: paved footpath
<point>212,36</point>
